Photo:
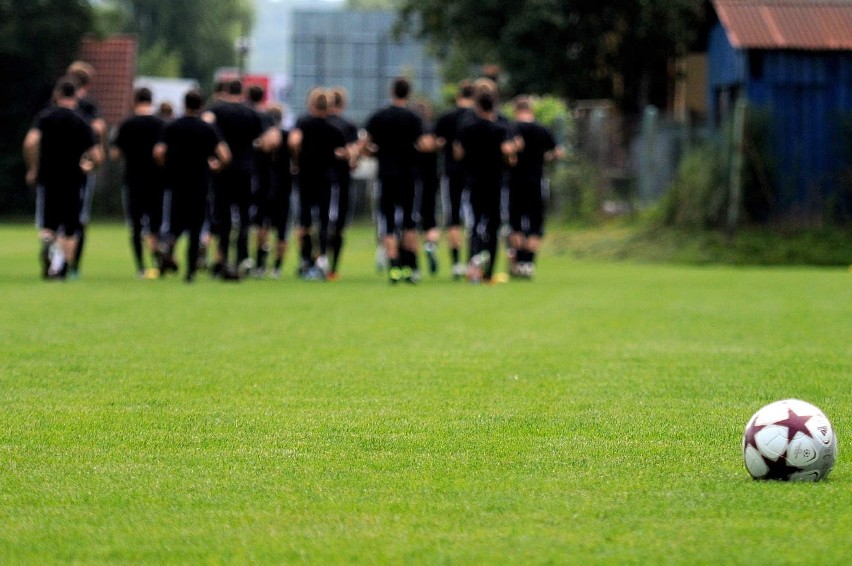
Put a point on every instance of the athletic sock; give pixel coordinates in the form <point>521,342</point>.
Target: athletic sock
<point>306,248</point>
<point>336,247</point>
<point>81,242</point>
<point>454,253</point>
<point>262,254</point>
<point>136,242</point>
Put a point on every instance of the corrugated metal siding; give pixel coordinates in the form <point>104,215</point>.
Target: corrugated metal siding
<point>808,100</point>
<point>787,24</point>
<point>807,97</point>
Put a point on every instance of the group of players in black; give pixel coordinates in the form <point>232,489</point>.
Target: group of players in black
<point>226,166</point>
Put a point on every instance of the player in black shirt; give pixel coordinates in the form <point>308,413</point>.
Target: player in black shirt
<point>84,73</point>
<point>261,184</point>
<point>394,136</point>
<point>484,145</point>
<point>143,179</point>
<point>342,177</point>
<point>242,129</point>
<point>428,186</point>
<point>316,146</point>
<point>60,149</point>
<point>446,130</point>
<point>282,184</point>
<point>189,149</point>
<point>526,198</point>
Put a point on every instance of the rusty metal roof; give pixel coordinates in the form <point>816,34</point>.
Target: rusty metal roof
<point>114,60</point>
<point>816,25</point>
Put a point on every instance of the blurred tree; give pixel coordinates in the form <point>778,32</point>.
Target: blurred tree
<point>37,42</point>
<point>574,48</point>
<point>190,38</point>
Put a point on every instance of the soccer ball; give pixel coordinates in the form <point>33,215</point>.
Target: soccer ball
<point>789,440</point>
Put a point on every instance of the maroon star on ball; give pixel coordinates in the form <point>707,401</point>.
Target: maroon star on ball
<point>795,423</point>
<point>751,432</point>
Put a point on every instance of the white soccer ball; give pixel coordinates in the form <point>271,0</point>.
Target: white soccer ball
<point>789,440</point>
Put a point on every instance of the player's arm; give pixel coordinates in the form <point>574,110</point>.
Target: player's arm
<point>160,151</point>
<point>294,142</point>
<point>426,143</point>
<point>92,158</point>
<point>99,127</point>
<point>458,151</point>
<point>270,140</point>
<point>557,152</point>
<point>32,142</point>
<point>509,148</point>
<point>222,156</point>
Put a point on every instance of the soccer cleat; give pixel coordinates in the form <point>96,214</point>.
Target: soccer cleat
<point>381,259</point>
<point>394,275</point>
<point>276,273</point>
<point>314,274</point>
<point>459,271</point>
<point>478,266</point>
<point>322,264</point>
<point>410,275</point>
<point>245,267</point>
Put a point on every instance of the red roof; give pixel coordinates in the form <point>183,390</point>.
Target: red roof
<point>114,60</point>
<point>817,25</point>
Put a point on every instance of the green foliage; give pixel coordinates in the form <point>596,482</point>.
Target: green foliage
<point>699,195</point>
<point>577,189</point>
<point>192,37</point>
<point>159,61</point>
<point>37,42</point>
<point>572,48</point>
<point>592,416</point>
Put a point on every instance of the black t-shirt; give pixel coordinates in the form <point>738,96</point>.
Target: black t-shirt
<point>319,141</point>
<point>481,140</point>
<point>395,131</point>
<point>240,125</point>
<point>350,130</point>
<point>136,139</point>
<point>350,134</point>
<point>447,128</point>
<point>281,161</point>
<point>65,137</point>
<point>427,161</point>
<point>88,109</point>
<point>191,142</point>
<point>537,141</point>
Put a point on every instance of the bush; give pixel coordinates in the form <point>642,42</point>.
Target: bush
<point>699,195</point>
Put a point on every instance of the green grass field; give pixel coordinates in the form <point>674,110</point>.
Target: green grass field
<point>593,416</point>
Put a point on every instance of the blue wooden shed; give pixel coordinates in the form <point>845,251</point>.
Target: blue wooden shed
<point>792,59</point>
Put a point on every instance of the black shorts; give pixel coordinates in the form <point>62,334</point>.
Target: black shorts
<point>456,185</point>
<point>144,207</point>
<point>526,206</point>
<point>428,192</point>
<point>58,208</point>
<point>397,197</point>
<point>314,200</point>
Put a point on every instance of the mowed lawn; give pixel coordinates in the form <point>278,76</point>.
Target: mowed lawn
<point>592,416</point>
